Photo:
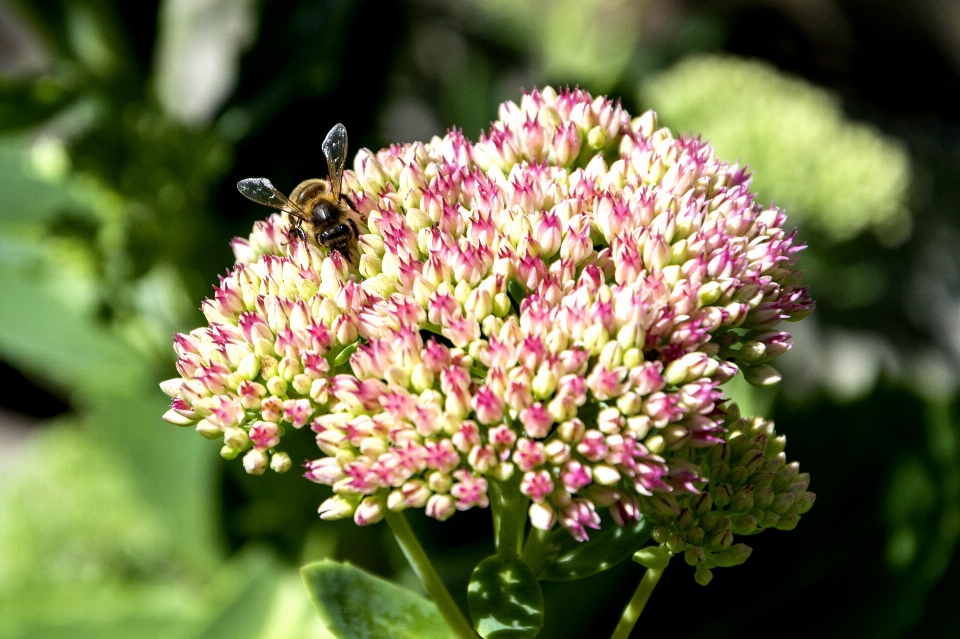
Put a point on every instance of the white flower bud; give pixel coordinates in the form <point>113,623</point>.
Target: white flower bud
<point>280,462</point>
<point>255,462</point>
<point>542,516</point>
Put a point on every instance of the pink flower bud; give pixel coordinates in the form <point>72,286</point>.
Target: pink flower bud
<point>529,454</point>
<point>566,144</point>
<point>575,476</point>
<point>536,420</point>
<point>469,491</point>
<point>370,511</point>
<point>536,485</point>
<point>337,507</point>
<point>441,507</point>
<point>578,516</point>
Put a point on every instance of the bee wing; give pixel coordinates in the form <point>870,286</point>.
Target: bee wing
<point>335,149</point>
<point>261,191</point>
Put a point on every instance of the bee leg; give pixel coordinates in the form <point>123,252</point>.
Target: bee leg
<point>350,204</point>
<point>344,250</point>
<point>295,231</point>
<point>353,207</point>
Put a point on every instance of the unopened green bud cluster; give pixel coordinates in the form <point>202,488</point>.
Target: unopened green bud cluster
<point>750,487</point>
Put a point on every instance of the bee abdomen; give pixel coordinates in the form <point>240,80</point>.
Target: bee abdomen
<point>308,190</point>
<point>339,233</point>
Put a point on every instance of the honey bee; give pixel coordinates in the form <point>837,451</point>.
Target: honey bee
<point>316,207</point>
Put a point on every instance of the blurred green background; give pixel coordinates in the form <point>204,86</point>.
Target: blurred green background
<point>125,124</point>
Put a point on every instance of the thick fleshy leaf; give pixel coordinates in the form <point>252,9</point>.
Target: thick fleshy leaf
<point>344,356</point>
<point>505,599</point>
<point>569,559</point>
<point>265,602</point>
<point>251,582</point>
<point>354,604</point>
<point>516,292</point>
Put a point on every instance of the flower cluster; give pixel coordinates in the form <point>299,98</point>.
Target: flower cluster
<point>557,303</point>
<point>751,487</point>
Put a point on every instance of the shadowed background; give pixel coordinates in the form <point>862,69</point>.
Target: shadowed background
<point>124,127</point>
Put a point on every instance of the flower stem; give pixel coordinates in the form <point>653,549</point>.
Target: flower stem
<point>428,575</point>
<point>632,612</point>
<point>510,516</point>
<point>535,550</point>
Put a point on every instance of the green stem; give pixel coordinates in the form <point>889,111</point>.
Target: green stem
<point>632,612</point>
<point>535,550</point>
<point>510,516</point>
<point>428,575</point>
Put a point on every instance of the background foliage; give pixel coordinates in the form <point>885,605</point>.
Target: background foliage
<point>125,125</point>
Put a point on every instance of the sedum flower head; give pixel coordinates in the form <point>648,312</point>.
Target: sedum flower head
<point>556,303</point>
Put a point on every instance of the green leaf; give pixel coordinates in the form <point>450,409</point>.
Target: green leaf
<point>505,599</point>
<point>250,580</point>
<point>344,355</point>
<point>569,559</point>
<point>45,336</point>
<point>30,197</point>
<point>516,292</point>
<point>19,108</point>
<point>174,469</point>
<point>356,605</point>
<point>130,571</point>
<point>653,557</point>
<point>113,386</point>
<point>262,599</point>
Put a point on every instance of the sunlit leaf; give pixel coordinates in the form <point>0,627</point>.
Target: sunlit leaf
<point>356,605</point>
<point>569,559</point>
<point>242,615</point>
<point>114,389</point>
<point>91,552</point>
<point>505,599</point>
